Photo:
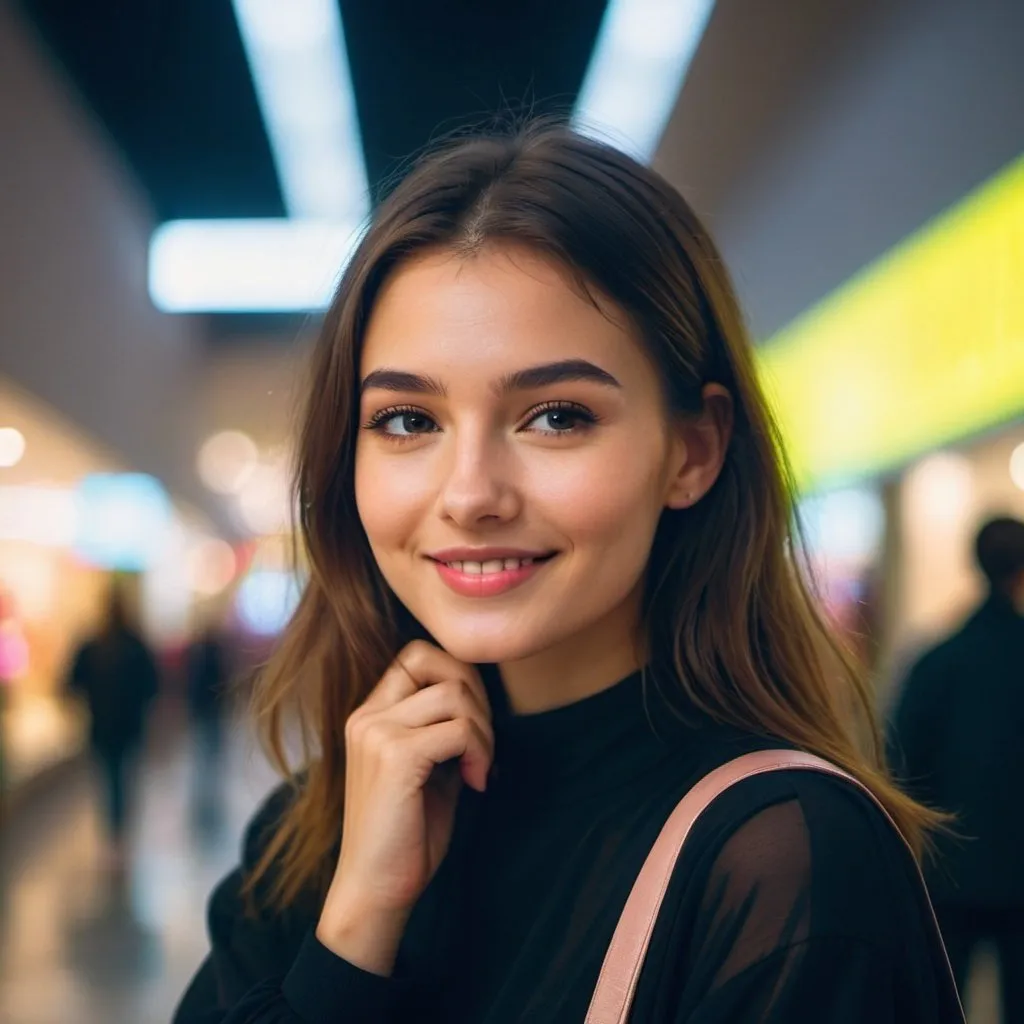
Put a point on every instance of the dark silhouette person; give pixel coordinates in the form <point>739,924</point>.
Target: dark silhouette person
<point>115,673</point>
<point>958,741</point>
<point>208,671</point>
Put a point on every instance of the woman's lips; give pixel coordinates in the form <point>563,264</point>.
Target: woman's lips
<point>489,583</point>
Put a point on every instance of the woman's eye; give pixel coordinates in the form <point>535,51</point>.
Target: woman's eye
<point>561,419</point>
<point>403,423</point>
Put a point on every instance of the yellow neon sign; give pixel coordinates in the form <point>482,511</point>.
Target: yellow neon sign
<point>924,346</point>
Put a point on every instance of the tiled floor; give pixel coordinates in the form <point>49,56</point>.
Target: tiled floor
<point>74,951</point>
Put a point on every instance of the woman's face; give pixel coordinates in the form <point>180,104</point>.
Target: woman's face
<point>514,455</point>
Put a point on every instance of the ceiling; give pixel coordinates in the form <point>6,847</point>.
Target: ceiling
<point>170,82</point>
<point>808,158</point>
<point>810,137</point>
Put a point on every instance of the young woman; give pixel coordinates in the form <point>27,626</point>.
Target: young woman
<point>552,585</point>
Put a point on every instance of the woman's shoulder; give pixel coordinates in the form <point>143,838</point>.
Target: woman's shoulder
<point>814,845</point>
<point>793,886</point>
<point>231,900</point>
<point>806,806</point>
<point>266,820</point>
<point>252,940</point>
<point>257,835</point>
<point>797,810</point>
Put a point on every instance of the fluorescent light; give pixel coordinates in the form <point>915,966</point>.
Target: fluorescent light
<point>643,50</point>
<point>247,265</point>
<point>297,58</point>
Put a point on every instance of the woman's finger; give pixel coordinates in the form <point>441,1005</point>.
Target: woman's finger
<point>418,665</point>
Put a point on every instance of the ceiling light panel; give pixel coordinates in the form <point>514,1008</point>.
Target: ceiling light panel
<point>641,57</point>
<point>248,265</point>
<point>299,66</point>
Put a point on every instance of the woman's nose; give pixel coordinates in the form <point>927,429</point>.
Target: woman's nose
<point>477,486</point>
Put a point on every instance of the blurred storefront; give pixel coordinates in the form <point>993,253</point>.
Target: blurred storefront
<point>48,595</point>
<point>901,398</point>
<point>70,516</point>
<point>942,499</point>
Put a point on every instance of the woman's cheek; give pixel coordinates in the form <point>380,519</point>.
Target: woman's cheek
<point>595,498</point>
<point>389,497</point>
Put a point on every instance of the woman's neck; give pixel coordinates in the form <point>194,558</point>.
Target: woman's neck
<point>583,665</point>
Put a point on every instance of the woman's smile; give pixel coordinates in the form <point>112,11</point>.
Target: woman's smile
<point>490,573</point>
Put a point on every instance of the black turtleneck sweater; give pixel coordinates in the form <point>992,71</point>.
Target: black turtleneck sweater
<point>793,899</point>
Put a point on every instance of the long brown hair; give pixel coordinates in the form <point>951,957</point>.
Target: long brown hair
<point>728,615</point>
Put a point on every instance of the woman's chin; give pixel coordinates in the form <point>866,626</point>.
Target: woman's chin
<point>482,649</point>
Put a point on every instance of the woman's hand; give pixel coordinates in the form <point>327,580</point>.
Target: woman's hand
<point>423,731</point>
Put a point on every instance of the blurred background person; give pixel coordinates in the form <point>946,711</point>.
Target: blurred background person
<point>115,674</point>
<point>208,666</point>
<point>958,741</point>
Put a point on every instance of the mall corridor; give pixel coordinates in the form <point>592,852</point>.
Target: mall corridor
<point>74,949</point>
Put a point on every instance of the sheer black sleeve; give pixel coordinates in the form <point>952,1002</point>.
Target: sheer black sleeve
<point>812,910</point>
<point>268,967</point>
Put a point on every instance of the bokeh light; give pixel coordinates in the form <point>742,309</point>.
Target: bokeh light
<point>14,651</point>
<point>267,599</point>
<point>12,447</point>
<point>940,489</point>
<point>847,524</point>
<point>227,460</point>
<point>124,520</point>
<point>39,515</point>
<point>265,500</point>
<point>1017,466</point>
<point>211,566</point>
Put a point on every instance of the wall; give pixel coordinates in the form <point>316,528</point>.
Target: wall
<point>256,386</point>
<point>76,325</point>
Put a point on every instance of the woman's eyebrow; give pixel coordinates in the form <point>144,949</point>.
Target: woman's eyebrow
<point>519,380</point>
<point>554,373</point>
<point>401,380</point>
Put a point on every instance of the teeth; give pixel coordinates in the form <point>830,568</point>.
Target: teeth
<point>492,565</point>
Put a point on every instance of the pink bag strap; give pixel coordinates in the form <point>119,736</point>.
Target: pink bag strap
<point>616,984</point>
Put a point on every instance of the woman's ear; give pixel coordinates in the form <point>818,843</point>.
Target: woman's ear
<point>701,444</point>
